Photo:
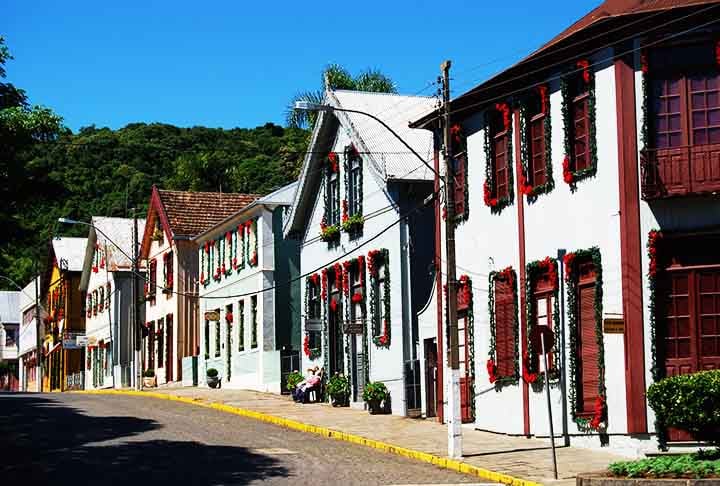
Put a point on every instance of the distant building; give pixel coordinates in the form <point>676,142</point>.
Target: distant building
<point>106,282</point>
<point>248,276</point>
<point>174,218</point>
<point>9,337</point>
<point>28,343</point>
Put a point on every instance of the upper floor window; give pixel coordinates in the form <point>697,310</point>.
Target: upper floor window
<point>498,190</point>
<point>536,148</point>
<point>168,273</point>
<point>354,181</point>
<point>578,93</point>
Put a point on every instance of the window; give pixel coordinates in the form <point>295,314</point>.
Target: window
<point>312,326</point>
<point>168,274</point>
<point>152,285</point>
<point>333,195</point>
<point>108,292</point>
<point>254,322</point>
<point>217,335</point>
<point>207,339</point>
<point>500,147</point>
<point>354,183</point>
<point>241,325</point>
<point>357,293</point>
<point>505,313</point>
<point>151,346</point>
<point>588,374</point>
<point>379,300</point>
<point>536,149</point>
<point>160,342</point>
<point>460,166</point>
<point>544,315</point>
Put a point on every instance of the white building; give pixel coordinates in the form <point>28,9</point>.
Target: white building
<point>589,153</point>
<point>366,243</point>
<point>9,329</point>
<point>28,342</point>
<point>106,284</point>
<point>248,277</point>
<point>171,308</point>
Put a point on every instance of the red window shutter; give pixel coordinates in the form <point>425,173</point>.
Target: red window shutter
<point>588,351</point>
<point>500,161</point>
<point>709,319</point>
<point>581,132</point>
<point>460,168</point>
<point>504,332</point>
<point>537,151</point>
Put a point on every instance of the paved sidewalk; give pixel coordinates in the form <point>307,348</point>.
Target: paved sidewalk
<point>522,458</point>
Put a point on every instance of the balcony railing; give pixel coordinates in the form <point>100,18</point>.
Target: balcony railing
<point>680,171</point>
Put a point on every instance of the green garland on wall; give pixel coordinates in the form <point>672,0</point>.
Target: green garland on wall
<point>507,275</point>
<point>352,223</point>
<point>467,289</point>
<point>572,261</point>
<point>381,328</point>
<point>489,186</point>
<point>533,191</point>
<point>531,371</point>
<point>311,353</point>
<point>570,175</point>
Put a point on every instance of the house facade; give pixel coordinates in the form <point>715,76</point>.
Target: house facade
<point>106,282</point>
<point>366,243</point>
<point>9,340</point>
<point>64,316</point>
<point>248,281</point>
<point>174,218</point>
<point>28,341</point>
<point>589,205</point>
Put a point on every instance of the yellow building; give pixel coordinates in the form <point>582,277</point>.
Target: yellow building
<point>65,317</point>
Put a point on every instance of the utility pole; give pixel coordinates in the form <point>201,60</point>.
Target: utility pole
<point>454,421</point>
<point>38,337</point>
<point>135,321</point>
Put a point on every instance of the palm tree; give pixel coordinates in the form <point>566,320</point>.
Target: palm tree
<point>336,77</point>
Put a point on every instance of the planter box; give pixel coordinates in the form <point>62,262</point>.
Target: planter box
<point>598,480</point>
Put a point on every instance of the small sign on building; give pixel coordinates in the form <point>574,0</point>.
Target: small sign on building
<point>81,341</point>
<point>212,316</point>
<point>614,325</point>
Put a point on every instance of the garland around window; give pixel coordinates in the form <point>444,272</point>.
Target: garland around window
<point>380,325</point>
<point>310,282</point>
<point>489,187</point>
<point>571,260</point>
<point>506,275</point>
<point>528,189</point>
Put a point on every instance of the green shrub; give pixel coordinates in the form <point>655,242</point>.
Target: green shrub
<point>686,465</point>
<point>689,402</point>
<point>212,372</point>
<point>375,392</point>
<point>148,373</point>
<point>338,387</point>
<point>293,379</point>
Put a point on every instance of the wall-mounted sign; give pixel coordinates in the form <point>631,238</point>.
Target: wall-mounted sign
<point>81,341</point>
<point>354,327</point>
<point>614,325</point>
<point>91,341</point>
<point>212,316</point>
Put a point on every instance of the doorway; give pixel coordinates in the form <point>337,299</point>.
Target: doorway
<point>431,377</point>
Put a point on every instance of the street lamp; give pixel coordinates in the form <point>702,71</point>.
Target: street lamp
<point>135,338</point>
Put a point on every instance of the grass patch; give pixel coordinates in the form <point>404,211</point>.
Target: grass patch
<point>702,464</point>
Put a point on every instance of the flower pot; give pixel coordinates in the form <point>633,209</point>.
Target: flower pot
<point>339,400</point>
<point>213,381</point>
<point>149,382</point>
<point>374,407</point>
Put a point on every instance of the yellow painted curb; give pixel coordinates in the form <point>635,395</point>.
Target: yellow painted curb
<point>439,461</point>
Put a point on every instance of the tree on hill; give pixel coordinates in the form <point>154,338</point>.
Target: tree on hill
<point>336,77</point>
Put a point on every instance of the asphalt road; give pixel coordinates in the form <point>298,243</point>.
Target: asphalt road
<point>75,439</point>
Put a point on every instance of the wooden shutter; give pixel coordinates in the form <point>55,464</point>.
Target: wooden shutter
<point>537,151</point>
<point>709,319</point>
<point>588,351</point>
<point>581,132</point>
<point>500,156</point>
<point>504,332</point>
<point>460,168</point>
<point>679,359</point>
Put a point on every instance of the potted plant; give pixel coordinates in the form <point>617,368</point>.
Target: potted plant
<point>376,396</point>
<point>339,390</point>
<point>149,380</point>
<point>292,380</point>
<point>213,378</point>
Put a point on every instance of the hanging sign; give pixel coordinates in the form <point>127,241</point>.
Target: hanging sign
<point>212,316</point>
<point>614,325</point>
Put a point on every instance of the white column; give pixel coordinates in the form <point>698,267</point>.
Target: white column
<point>453,417</point>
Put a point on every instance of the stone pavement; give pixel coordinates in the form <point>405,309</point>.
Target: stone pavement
<point>519,457</point>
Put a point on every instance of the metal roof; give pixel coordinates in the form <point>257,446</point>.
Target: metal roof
<point>69,252</point>
<point>10,306</point>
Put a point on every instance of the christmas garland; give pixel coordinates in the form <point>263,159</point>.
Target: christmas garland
<point>241,326</point>
<point>466,289</point>
<point>253,314</point>
<point>654,238</point>
<point>645,129</point>
<point>325,333</point>
<point>252,238</point>
<point>531,372</point>
<point>571,260</point>
<point>570,175</point>
<point>352,223</point>
<point>374,259</point>
<point>228,260</point>
<point>529,190</point>
<point>329,233</point>
<point>506,275</point>
<point>458,150</point>
<point>312,281</point>
<point>489,187</point>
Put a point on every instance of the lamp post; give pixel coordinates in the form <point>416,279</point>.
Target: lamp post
<point>134,339</point>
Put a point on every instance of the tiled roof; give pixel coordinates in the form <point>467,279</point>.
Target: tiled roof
<point>191,213</point>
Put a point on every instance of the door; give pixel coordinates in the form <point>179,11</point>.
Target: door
<point>691,324</point>
<point>169,348</point>
<point>336,343</point>
<point>431,377</point>
<point>465,378</point>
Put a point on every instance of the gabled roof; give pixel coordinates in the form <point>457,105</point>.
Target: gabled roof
<point>383,154</point>
<point>184,215</point>
<point>109,233</point>
<point>69,252</point>
<point>605,25</point>
<point>9,307</point>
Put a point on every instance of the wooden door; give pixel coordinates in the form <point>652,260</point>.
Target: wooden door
<point>431,377</point>
<point>169,360</point>
<point>466,397</point>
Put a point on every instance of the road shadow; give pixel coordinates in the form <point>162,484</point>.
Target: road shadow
<point>46,442</point>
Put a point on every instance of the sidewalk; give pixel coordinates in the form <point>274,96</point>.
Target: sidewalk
<point>522,458</point>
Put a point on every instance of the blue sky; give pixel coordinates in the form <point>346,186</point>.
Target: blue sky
<point>236,64</point>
